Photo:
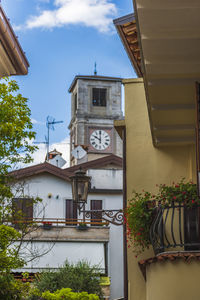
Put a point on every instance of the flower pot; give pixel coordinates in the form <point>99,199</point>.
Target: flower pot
<point>47,226</point>
<point>82,227</point>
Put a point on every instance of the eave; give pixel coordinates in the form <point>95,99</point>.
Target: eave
<point>169,39</point>
<point>12,58</point>
<point>92,77</point>
<point>96,164</point>
<point>127,30</point>
<point>44,168</point>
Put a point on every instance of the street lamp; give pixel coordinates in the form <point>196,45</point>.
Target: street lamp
<point>80,186</point>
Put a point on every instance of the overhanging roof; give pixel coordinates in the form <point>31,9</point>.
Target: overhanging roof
<point>110,160</point>
<point>169,39</point>
<point>127,30</point>
<point>98,163</point>
<point>40,169</point>
<point>12,58</point>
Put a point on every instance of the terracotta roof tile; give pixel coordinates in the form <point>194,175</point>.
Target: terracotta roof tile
<point>186,256</point>
<point>97,163</point>
<point>66,173</point>
<point>39,169</point>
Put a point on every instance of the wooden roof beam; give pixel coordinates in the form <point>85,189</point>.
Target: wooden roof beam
<point>173,107</point>
<point>181,127</point>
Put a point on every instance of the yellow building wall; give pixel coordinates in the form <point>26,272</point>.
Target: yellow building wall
<point>148,166</point>
<point>179,281</point>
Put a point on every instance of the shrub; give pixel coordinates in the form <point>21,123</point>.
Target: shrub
<point>80,278</point>
<point>12,289</point>
<point>67,293</point>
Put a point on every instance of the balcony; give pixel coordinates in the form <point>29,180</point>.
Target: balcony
<point>175,228</point>
<point>58,229</point>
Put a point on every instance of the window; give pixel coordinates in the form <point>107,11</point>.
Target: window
<point>96,217</point>
<point>22,211</point>
<point>98,97</point>
<point>75,102</point>
<point>71,212</point>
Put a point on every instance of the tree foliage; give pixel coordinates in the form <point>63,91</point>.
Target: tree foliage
<point>9,256</point>
<point>15,136</point>
<point>15,127</point>
<point>15,132</point>
<point>80,277</point>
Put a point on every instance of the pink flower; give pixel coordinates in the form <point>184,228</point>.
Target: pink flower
<point>174,197</point>
<point>193,201</point>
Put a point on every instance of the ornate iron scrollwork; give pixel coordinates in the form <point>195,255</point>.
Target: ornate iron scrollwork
<point>115,217</point>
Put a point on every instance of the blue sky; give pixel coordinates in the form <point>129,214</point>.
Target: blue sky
<point>63,38</point>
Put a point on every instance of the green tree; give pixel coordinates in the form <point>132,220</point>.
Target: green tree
<point>9,254</point>
<point>15,132</point>
<point>15,136</point>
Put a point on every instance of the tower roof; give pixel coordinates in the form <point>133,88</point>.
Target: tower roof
<point>92,77</point>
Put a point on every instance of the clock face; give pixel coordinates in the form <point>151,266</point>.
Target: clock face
<point>100,139</point>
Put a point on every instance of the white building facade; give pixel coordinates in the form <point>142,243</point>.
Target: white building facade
<point>59,236</point>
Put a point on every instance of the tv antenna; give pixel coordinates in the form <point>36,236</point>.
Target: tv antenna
<point>50,122</point>
<point>50,125</point>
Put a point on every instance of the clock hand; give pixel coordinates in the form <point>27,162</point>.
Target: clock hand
<point>97,137</point>
<point>100,136</point>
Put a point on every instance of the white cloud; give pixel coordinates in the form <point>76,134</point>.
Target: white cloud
<point>90,13</point>
<point>34,121</point>
<point>40,154</point>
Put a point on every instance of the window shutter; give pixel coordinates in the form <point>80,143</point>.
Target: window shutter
<point>71,212</point>
<point>22,210</point>
<point>28,209</point>
<point>96,205</point>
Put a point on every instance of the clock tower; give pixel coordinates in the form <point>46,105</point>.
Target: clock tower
<point>95,104</point>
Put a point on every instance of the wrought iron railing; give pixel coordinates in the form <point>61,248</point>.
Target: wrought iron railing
<point>175,227</point>
<point>56,221</point>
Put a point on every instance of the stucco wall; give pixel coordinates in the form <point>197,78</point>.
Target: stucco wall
<point>115,244</point>
<point>106,178</point>
<point>180,280</point>
<point>148,166</point>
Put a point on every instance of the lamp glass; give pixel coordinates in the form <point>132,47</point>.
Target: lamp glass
<point>80,184</point>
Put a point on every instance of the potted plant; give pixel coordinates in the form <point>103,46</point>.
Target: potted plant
<point>141,209</point>
<point>82,226</point>
<point>25,276</point>
<point>47,225</point>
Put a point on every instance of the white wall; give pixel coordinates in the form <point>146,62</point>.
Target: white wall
<point>41,186</point>
<point>115,244</point>
<point>74,252</point>
<point>106,178</point>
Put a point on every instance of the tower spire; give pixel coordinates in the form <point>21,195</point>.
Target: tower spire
<point>95,68</point>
